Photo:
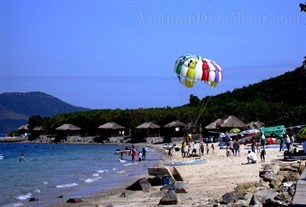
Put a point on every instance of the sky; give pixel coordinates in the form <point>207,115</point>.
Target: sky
<point>109,54</point>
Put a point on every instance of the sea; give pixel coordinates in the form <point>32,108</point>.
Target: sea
<point>53,173</point>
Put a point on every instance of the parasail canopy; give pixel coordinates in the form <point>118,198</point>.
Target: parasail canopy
<point>192,68</point>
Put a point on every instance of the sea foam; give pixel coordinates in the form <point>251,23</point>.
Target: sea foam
<point>24,197</point>
<point>66,185</point>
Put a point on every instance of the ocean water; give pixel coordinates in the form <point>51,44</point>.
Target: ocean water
<point>51,171</point>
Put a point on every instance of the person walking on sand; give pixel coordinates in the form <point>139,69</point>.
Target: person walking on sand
<point>207,148</point>
<point>213,148</point>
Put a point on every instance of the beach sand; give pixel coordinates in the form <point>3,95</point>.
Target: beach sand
<point>207,182</point>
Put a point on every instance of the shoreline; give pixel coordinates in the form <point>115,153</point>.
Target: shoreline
<point>106,194</point>
<point>207,182</point>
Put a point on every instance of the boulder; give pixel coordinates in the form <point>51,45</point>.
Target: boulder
<point>169,198</point>
<point>260,197</point>
<point>74,200</point>
<point>33,199</point>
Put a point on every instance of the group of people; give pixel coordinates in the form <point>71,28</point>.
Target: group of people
<point>288,139</point>
<point>132,151</point>
<point>194,148</point>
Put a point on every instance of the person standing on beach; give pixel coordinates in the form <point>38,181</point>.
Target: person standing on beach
<point>202,148</point>
<point>236,148</point>
<point>207,148</point>
<point>288,142</point>
<point>262,154</point>
<point>228,150</point>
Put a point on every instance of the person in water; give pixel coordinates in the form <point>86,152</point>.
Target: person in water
<point>21,158</point>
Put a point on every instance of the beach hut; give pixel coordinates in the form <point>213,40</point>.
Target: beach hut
<point>68,128</point>
<point>112,129</point>
<point>232,122</point>
<point>39,130</point>
<point>151,129</point>
<point>24,130</point>
<point>175,128</point>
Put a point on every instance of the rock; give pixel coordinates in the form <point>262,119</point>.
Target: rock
<point>261,196</point>
<point>240,203</point>
<point>33,199</point>
<point>228,198</point>
<point>290,168</point>
<point>245,186</point>
<point>268,176</point>
<point>274,203</point>
<point>169,198</point>
<point>74,200</point>
<point>273,168</point>
<point>145,185</point>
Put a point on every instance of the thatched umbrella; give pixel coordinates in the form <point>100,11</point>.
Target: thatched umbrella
<point>214,125</point>
<point>111,126</point>
<point>68,127</point>
<point>148,126</point>
<point>232,122</point>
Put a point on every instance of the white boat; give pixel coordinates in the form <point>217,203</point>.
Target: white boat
<point>1,157</point>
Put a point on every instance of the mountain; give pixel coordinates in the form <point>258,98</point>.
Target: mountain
<point>16,108</point>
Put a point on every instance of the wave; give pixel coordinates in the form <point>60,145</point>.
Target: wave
<point>24,197</point>
<point>90,180</point>
<point>13,204</point>
<point>66,185</point>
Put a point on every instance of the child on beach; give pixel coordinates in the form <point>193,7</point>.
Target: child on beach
<point>262,154</point>
<point>213,148</point>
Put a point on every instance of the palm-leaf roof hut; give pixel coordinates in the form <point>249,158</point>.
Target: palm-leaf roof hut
<point>39,130</point>
<point>68,128</point>
<point>112,129</point>
<point>151,129</point>
<point>175,128</point>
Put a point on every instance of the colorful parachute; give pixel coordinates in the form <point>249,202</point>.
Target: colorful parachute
<point>192,68</point>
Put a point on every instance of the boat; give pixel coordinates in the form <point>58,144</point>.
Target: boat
<point>188,162</point>
<point>243,137</point>
<point>1,157</point>
<point>125,151</point>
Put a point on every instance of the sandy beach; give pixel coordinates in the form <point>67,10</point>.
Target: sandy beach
<point>206,182</point>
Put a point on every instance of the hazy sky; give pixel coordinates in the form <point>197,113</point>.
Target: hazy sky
<point>121,53</point>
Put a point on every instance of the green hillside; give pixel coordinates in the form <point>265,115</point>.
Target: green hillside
<point>279,100</point>
<point>16,108</point>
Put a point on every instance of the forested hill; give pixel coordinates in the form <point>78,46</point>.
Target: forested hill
<point>279,100</point>
<point>16,108</point>
<point>289,88</point>
<point>36,103</point>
